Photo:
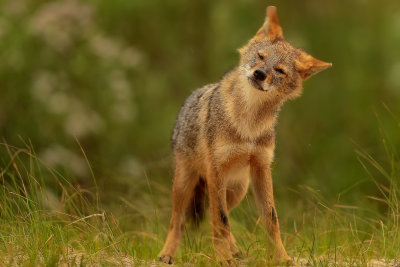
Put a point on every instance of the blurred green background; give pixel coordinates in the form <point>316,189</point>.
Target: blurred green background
<point>112,76</point>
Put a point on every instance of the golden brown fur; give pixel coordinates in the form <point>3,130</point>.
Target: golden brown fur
<point>224,138</point>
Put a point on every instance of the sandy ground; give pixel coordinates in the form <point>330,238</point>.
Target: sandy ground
<point>129,261</point>
<point>73,258</point>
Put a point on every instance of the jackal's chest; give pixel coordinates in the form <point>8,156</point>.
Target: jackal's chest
<point>231,155</point>
<point>234,161</point>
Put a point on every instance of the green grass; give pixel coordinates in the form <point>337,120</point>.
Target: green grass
<point>72,226</point>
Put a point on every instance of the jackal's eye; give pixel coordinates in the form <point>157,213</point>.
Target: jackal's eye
<point>279,70</point>
<point>260,56</point>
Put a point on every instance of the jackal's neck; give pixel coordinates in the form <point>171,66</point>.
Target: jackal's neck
<point>251,111</point>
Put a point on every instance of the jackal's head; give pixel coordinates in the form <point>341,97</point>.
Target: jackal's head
<point>271,64</point>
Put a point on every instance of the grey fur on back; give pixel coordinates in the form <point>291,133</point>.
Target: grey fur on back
<point>186,131</point>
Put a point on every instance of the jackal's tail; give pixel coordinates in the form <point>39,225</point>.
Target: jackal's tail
<point>196,209</point>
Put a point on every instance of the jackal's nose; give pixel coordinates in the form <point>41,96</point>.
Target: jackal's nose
<point>260,75</point>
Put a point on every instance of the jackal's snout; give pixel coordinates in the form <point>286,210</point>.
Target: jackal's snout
<point>260,74</point>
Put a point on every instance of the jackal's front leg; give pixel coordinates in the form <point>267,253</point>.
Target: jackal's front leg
<point>219,216</point>
<point>262,181</point>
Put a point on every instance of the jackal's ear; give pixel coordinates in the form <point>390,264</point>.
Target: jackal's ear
<point>307,66</point>
<point>271,29</point>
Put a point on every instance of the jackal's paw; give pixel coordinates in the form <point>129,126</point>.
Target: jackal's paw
<point>282,259</point>
<point>286,262</point>
<point>238,255</point>
<point>165,259</point>
<point>228,263</point>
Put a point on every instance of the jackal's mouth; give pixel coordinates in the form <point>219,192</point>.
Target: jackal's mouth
<point>255,84</point>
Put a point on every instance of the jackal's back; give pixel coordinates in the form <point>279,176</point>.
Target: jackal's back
<point>189,124</point>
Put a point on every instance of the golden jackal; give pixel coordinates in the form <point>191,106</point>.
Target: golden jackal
<point>225,136</point>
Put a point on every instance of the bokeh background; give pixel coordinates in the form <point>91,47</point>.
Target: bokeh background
<point>110,76</point>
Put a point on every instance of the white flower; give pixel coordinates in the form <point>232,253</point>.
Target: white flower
<point>81,122</point>
<point>130,57</point>
<point>123,112</point>
<point>57,155</point>
<point>43,85</point>
<point>131,166</point>
<point>60,22</point>
<point>104,47</point>
<point>120,85</point>
<point>122,108</point>
<point>58,103</point>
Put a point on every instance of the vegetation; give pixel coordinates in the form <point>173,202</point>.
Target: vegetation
<point>90,91</point>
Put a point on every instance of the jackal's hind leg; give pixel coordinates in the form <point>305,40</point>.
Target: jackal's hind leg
<point>182,191</point>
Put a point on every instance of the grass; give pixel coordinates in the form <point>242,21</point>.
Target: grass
<point>69,225</point>
<point>91,69</point>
